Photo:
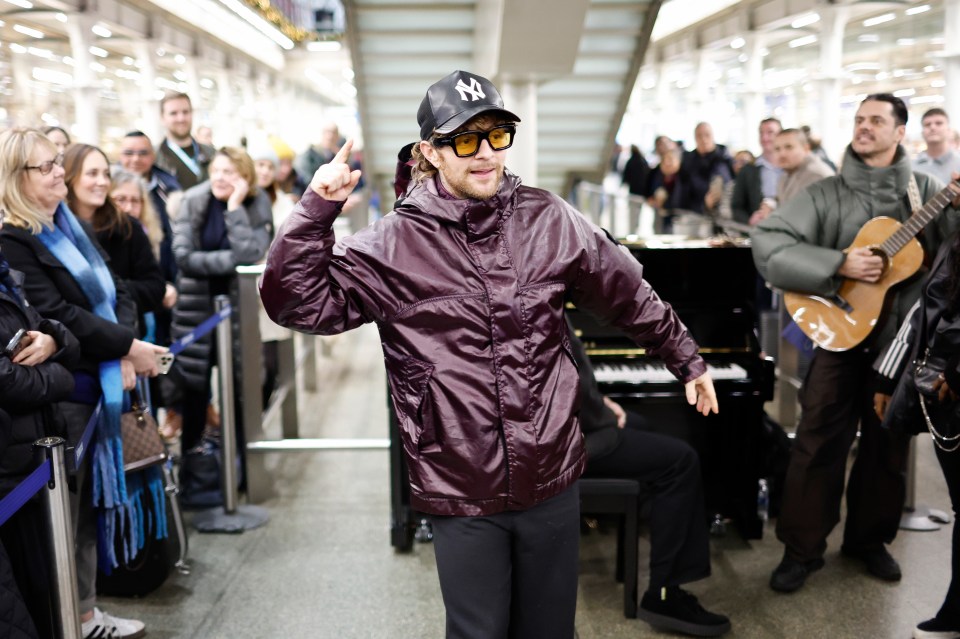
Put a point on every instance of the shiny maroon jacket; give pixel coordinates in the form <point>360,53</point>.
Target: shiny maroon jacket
<point>468,296</point>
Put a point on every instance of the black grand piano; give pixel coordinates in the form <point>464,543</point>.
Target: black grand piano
<point>712,287</point>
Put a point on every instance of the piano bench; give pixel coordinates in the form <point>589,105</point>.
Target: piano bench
<point>619,497</point>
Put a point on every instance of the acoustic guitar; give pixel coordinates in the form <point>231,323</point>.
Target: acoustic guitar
<point>841,321</point>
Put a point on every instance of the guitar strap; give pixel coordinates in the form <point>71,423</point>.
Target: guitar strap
<point>913,192</point>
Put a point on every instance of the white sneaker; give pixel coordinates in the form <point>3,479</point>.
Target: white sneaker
<point>104,626</point>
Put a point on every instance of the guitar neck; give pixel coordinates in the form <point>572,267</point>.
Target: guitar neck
<point>920,219</point>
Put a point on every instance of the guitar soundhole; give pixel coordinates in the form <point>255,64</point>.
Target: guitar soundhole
<point>876,250</point>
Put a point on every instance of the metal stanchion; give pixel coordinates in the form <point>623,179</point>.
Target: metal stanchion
<point>231,517</point>
<point>919,518</point>
<point>61,542</point>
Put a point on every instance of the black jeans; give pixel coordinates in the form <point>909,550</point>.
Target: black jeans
<point>679,542</point>
<point>950,465</point>
<point>837,395</point>
<point>513,574</point>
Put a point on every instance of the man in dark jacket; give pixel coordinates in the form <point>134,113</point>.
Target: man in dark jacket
<point>180,154</point>
<point>704,171</point>
<point>755,189</point>
<point>801,247</point>
<point>620,445</point>
<point>466,281</point>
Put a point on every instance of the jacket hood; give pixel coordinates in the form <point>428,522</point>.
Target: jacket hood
<point>478,217</point>
<point>879,183</point>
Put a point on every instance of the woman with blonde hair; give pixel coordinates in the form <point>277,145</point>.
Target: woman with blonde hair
<point>223,223</point>
<point>66,278</point>
<point>87,175</point>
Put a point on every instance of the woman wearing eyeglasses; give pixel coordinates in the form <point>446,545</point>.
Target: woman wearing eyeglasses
<point>87,176</point>
<point>33,355</point>
<point>67,279</point>
<point>223,223</point>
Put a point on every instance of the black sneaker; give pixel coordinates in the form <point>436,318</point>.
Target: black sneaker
<point>936,629</point>
<point>675,609</point>
<point>791,574</point>
<point>879,562</point>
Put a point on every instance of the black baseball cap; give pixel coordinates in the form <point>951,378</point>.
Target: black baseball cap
<point>455,99</point>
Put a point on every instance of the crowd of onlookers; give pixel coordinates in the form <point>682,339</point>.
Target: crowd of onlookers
<point>104,262</point>
<point>746,188</point>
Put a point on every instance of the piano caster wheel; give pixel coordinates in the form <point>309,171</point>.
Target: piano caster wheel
<point>424,532</point>
<point>718,527</point>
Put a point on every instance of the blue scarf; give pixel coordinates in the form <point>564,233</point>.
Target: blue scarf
<point>121,501</point>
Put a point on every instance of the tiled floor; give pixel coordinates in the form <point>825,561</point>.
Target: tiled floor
<point>323,567</point>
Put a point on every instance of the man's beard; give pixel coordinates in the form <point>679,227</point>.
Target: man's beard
<point>462,186</point>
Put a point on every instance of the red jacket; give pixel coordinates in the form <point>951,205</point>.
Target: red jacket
<point>468,296</point>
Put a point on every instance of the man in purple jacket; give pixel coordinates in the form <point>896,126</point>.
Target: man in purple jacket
<point>467,281</point>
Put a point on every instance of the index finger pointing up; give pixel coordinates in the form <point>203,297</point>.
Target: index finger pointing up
<point>344,153</point>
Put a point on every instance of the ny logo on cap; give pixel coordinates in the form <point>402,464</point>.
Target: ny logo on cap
<point>475,90</point>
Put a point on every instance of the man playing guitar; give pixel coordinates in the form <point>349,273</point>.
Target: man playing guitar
<point>803,247</point>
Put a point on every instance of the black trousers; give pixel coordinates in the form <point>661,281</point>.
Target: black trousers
<point>950,465</point>
<point>837,395</point>
<point>513,574</point>
<point>679,541</point>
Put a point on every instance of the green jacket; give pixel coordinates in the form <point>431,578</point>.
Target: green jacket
<point>800,246</point>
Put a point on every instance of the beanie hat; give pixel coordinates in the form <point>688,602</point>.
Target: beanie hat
<point>281,148</point>
<point>260,150</point>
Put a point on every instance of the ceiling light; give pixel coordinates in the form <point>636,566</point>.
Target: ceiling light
<point>904,93</point>
<point>264,27</point>
<point>743,57</point>
<point>348,73</point>
<point>99,68</point>
<point>67,60</point>
<point>929,68</point>
<point>23,4</point>
<point>33,33</point>
<point>325,45</point>
<point>40,53</point>
<point>738,43</point>
<point>61,17</point>
<point>805,21</point>
<point>802,42</point>
<point>97,51</point>
<point>179,58</point>
<point>864,66</point>
<point>912,11</point>
<point>764,52</point>
<point>906,42</point>
<point>102,31</point>
<point>52,77</point>
<point>938,84</point>
<point>926,99</point>
<point>868,37</point>
<point>127,60</point>
<point>161,52</point>
<point>207,83</point>
<point>17,48</point>
<point>872,22</point>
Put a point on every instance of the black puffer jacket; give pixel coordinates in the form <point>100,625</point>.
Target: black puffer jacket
<point>28,393</point>
<point>248,232</point>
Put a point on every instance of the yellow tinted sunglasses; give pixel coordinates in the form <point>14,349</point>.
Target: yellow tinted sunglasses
<point>467,143</point>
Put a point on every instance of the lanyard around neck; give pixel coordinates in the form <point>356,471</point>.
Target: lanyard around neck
<point>188,161</point>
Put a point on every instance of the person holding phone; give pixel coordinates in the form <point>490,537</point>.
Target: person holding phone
<point>34,375</point>
<point>67,278</point>
<point>223,223</point>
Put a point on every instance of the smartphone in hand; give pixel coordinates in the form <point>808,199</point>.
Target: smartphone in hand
<point>164,362</point>
<point>19,342</point>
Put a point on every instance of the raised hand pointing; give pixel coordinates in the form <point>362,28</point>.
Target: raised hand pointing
<point>335,181</point>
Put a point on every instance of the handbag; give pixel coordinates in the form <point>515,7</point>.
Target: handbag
<point>927,371</point>
<point>142,444</point>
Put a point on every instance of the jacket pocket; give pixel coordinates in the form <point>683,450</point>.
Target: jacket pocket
<point>411,387</point>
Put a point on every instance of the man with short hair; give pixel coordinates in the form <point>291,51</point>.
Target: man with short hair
<point>939,159</point>
<point>755,188</point>
<point>466,281</point>
<point>137,156</point>
<point>179,153</point>
<point>801,167</point>
<point>804,246</point>
<point>705,170</point>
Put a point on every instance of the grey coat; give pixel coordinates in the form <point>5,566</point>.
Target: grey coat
<point>248,230</point>
<point>801,245</point>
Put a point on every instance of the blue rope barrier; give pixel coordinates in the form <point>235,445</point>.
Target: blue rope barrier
<point>208,325</point>
<point>24,491</point>
<point>84,443</point>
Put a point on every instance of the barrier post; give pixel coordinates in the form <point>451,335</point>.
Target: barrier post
<point>287,383</point>
<point>259,479</point>
<point>61,542</point>
<point>918,518</point>
<point>309,344</point>
<point>231,517</point>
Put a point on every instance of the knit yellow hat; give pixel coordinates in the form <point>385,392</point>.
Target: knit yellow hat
<point>281,148</point>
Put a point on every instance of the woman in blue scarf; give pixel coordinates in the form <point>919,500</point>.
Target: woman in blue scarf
<point>67,279</point>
